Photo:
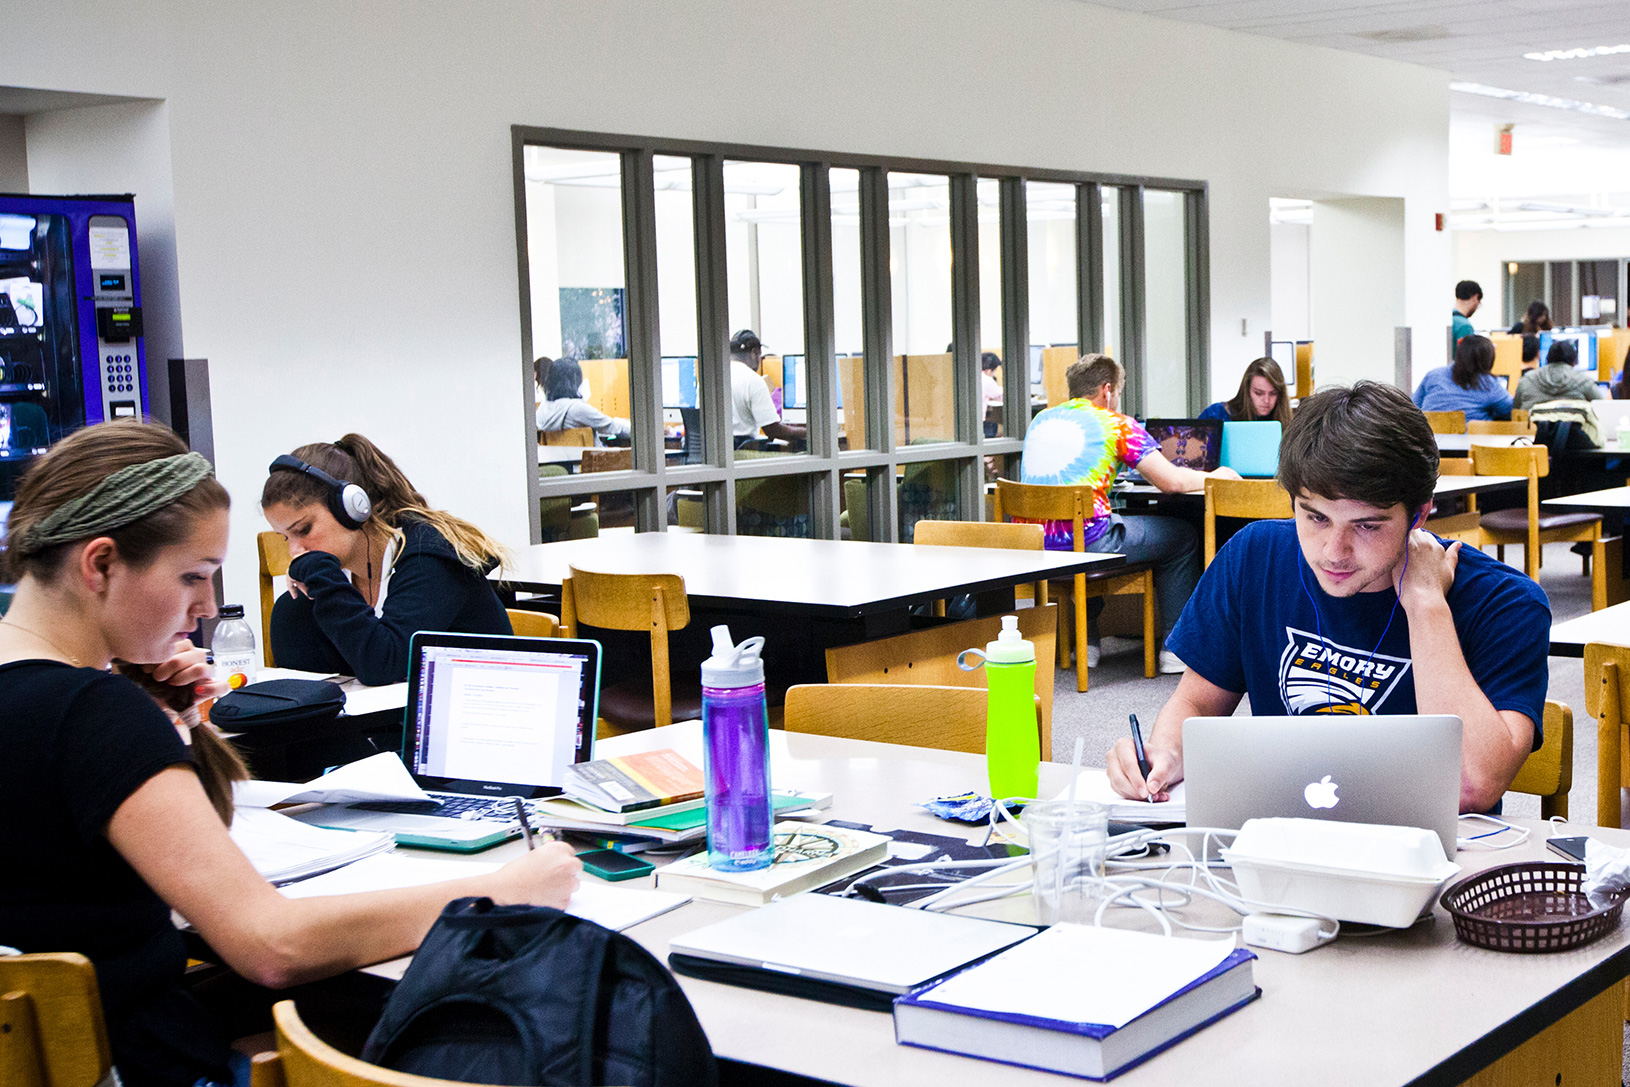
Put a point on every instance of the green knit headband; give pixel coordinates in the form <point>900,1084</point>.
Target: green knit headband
<point>122,498</point>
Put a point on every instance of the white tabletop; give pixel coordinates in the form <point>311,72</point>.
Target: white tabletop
<point>1610,625</point>
<point>834,578</point>
<point>1609,500</point>
<point>1461,443</point>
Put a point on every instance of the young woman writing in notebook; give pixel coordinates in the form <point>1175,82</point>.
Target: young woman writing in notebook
<point>372,563</point>
<point>114,810</point>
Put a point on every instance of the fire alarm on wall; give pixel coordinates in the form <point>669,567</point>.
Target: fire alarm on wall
<point>1439,217</point>
<point>1502,139</point>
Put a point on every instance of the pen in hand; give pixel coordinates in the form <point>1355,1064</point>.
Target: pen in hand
<point>526,824</point>
<point>1143,756</point>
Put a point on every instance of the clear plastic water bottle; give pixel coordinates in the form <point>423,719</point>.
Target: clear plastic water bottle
<point>236,659</point>
<point>736,755</point>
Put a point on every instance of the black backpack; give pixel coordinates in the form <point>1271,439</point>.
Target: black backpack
<point>532,997</point>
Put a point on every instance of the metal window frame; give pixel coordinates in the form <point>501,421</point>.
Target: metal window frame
<point>824,464</point>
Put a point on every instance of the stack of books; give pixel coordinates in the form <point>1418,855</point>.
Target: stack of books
<point>806,856</point>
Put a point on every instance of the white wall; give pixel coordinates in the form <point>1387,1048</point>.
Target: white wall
<point>1356,289</point>
<point>341,169</point>
<point>1289,283</point>
<point>1482,255</point>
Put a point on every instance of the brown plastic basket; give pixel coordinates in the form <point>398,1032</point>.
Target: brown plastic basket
<point>1529,907</point>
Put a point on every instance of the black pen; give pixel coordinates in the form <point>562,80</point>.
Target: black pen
<point>526,825</point>
<point>1137,747</point>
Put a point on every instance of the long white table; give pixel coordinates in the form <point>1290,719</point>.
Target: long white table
<point>1610,625</point>
<point>1409,1007</point>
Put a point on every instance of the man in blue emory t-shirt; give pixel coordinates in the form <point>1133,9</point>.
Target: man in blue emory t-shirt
<point>1350,608</point>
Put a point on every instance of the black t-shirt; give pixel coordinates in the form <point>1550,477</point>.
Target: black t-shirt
<point>75,743</point>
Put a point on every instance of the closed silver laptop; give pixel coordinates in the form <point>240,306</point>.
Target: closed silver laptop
<point>1398,771</point>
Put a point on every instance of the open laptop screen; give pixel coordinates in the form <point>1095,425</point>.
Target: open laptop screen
<point>1189,443</point>
<point>500,716</point>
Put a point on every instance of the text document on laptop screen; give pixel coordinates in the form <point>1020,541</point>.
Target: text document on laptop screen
<point>498,714</point>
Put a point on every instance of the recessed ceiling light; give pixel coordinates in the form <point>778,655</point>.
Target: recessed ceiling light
<point>1405,34</point>
<point>1578,54</point>
<point>1549,101</point>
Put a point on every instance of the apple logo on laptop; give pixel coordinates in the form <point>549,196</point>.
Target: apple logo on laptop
<point>1321,794</point>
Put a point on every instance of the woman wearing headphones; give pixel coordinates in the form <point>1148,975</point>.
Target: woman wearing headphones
<point>115,800</point>
<point>372,563</point>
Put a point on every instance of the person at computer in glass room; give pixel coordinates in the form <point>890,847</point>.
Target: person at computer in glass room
<point>1085,440</point>
<point>752,408</point>
<point>1352,608</point>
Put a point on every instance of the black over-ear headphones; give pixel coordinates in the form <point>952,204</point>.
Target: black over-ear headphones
<point>348,502</point>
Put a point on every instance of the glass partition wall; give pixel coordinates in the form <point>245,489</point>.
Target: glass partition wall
<point>824,345</point>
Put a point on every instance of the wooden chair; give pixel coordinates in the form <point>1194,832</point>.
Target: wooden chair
<point>1519,415</point>
<point>929,657</point>
<point>1607,677</point>
<point>651,602</point>
<point>51,1028</point>
<point>1446,422</point>
<point>607,460</point>
<point>577,435</point>
<point>305,1060</point>
<point>946,718</point>
<point>1253,499</point>
<point>1467,526</point>
<point>1528,526</point>
<point>1074,504</point>
<point>532,624</point>
<point>1548,772</point>
<point>1498,426</point>
<point>274,562</point>
<point>986,534</point>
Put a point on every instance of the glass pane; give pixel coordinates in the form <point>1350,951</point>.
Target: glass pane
<point>574,225</point>
<point>992,371</point>
<point>1165,287</point>
<point>1525,284</point>
<point>1562,308</point>
<point>773,506</point>
<point>682,421</point>
<point>1110,197</point>
<point>1598,291</point>
<point>847,312</point>
<point>764,263</point>
<point>928,491</point>
<point>920,279</point>
<point>687,508</point>
<point>854,517</point>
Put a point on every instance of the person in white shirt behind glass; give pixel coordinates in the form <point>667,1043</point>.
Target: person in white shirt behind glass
<point>565,409</point>
<point>752,408</point>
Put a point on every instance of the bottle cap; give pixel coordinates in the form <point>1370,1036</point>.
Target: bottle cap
<point>230,611</point>
<point>1010,646</point>
<point>733,665</point>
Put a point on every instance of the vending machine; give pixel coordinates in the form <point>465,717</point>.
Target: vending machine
<point>70,323</point>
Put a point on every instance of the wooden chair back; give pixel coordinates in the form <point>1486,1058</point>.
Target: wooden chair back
<point>918,715</point>
<point>305,1060</point>
<point>1465,527</point>
<point>51,1028</point>
<point>1446,422</point>
<point>1500,426</point>
<point>1533,461</point>
<point>607,460</point>
<point>1548,772</point>
<point>1519,415</point>
<point>532,624</point>
<point>652,602</point>
<point>1607,674</point>
<point>1304,369</point>
<point>577,435</point>
<point>985,534</point>
<point>1254,499</point>
<point>1037,502</point>
<point>928,656</point>
<point>274,562</point>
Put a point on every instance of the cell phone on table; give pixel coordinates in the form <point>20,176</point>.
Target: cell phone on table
<point>1571,848</point>
<point>611,865</point>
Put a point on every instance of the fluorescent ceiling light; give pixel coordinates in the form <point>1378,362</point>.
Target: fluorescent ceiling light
<point>1541,100</point>
<point>1578,54</point>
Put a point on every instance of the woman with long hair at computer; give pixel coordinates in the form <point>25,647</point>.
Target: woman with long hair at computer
<point>1262,396</point>
<point>115,800</point>
<point>563,406</point>
<point>372,563</point>
<point>1535,321</point>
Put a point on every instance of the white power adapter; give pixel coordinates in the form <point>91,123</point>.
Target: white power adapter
<point>1279,932</point>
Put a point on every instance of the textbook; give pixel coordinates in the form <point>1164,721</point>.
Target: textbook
<point>806,856</point>
<point>1079,999</point>
<point>681,822</point>
<point>629,783</point>
<point>284,849</point>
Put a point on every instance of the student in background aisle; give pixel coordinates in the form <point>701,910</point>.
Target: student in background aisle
<point>1468,296</point>
<point>1556,380</point>
<point>752,407</point>
<point>540,378</point>
<point>1085,440</point>
<point>989,363</point>
<point>114,805</point>
<point>1536,320</point>
<point>564,408</point>
<point>372,565</point>
<point>1467,385</point>
<point>1530,352</point>
<point>1262,396</point>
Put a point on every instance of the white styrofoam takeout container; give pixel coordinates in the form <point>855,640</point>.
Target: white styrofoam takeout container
<point>1361,872</point>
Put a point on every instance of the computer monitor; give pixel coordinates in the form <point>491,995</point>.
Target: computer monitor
<point>1283,352</point>
<point>794,382</point>
<point>679,381</point>
<point>1583,340</point>
<point>1035,365</point>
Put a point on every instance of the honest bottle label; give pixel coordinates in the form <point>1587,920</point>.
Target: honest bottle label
<point>236,668</point>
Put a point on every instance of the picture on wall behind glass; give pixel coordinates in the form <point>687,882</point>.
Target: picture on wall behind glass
<point>591,323</point>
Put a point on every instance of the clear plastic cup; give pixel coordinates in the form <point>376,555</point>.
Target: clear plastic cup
<point>1067,847</point>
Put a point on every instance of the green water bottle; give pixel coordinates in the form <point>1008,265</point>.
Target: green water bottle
<point>1012,740</point>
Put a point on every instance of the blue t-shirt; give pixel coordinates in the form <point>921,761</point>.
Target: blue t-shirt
<point>1252,627</point>
<point>1219,410</point>
<point>1486,399</point>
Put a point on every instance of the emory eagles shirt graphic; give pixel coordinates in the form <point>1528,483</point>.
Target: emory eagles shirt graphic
<point>1317,675</point>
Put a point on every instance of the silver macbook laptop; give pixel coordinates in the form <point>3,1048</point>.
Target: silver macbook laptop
<point>489,718</point>
<point>1399,771</point>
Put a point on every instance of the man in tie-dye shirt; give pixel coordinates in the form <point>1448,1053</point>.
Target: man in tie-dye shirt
<point>1086,440</point>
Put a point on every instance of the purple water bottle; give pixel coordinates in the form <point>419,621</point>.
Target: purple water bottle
<point>736,754</point>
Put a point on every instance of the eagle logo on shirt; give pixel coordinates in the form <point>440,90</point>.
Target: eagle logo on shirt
<point>1317,675</point>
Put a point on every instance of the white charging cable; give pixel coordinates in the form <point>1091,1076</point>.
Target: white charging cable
<point>1478,840</point>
